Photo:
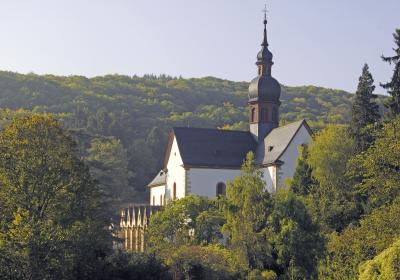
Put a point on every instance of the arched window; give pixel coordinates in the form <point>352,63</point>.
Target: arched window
<point>274,115</point>
<point>174,191</point>
<point>221,189</point>
<point>253,114</point>
<point>264,115</point>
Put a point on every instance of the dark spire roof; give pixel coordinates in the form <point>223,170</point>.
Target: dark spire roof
<point>265,55</point>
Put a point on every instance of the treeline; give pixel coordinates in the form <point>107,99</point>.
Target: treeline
<point>131,116</point>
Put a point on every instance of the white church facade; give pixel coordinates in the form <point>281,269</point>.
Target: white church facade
<point>201,161</point>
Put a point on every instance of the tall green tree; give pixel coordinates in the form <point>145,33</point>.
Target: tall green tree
<point>364,111</point>
<point>393,87</point>
<point>380,168</point>
<point>333,202</point>
<point>52,225</point>
<point>248,207</point>
<point>108,162</point>
<point>296,241</point>
<point>302,182</point>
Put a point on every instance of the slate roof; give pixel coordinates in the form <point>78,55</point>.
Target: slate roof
<point>159,180</point>
<point>213,147</point>
<point>276,142</point>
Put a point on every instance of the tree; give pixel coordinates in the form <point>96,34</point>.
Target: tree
<point>187,221</point>
<point>333,202</point>
<point>248,205</point>
<point>384,266</point>
<point>380,168</point>
<point>393,87</point>
<point>52,225</point>
<point>302,182</point>
<point>356,244</point>
<point>204,262</point>
<point>296,241</point>
<point>108,162</point>
<point>364,111</point>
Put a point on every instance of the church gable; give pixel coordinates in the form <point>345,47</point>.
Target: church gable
<point>275,144</point>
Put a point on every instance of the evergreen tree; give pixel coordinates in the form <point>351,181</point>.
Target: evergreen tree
<point>364,111</point>
<point>247,210</point>
<point>393,87</point>
<point>302,181</point>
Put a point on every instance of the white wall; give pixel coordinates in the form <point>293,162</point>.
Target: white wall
<point>176,173</point>
<point>291,154</point>
<point>203,181</point>
<point>157,192</point>
<point>270,178</point>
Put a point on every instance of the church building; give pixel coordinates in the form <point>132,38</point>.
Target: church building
<point>201,161</point>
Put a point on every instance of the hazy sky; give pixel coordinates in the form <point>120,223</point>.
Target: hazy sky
<point>319,42</point>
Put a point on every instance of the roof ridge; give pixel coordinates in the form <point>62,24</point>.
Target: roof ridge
<point>286,125</point>
<point>213,129</point>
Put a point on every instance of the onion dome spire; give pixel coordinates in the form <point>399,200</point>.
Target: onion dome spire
<point>264,94</point>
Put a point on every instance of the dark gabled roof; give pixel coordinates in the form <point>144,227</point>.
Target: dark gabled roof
<point>204,147</point>
<point>276,142</point>
<point>159,179</point>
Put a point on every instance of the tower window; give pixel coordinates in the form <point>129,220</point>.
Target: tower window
<point>264,115</point>
<point>174,192</point>
<point>221,189</point>
<point>253,115</point>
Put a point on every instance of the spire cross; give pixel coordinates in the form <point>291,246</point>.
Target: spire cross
<point>265,41</point>
<point>265,11</point>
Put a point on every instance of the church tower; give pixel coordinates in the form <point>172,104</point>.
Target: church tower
<point>264,94</point>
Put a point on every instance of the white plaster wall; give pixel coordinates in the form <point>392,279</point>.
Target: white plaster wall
<point>203,181</point>
<point>290,156</point>
<point>156,192</point>
<point>269,174</point>
<point>176,173</point>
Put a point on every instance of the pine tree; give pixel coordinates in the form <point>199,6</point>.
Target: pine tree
<point>302,181</point>
<point>364,111</point>
<point>393,87</point>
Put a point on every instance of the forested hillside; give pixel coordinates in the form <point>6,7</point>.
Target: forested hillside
<point>122,122</point>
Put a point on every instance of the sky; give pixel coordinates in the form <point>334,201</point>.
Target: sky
<point>314,42</point>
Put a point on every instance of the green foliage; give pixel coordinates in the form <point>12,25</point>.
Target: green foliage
<point>190,220</point>
<point>275,233</point>
<point>302,182</point>
<point>126,266</point>
<point>296,241</point>
<point>108,162</point>
<point>51,216</point>
<point>356,244</point>
<point>393,87</point>
<point>365,111</point>
<point>380,167</point>
<point>385,266</point>
<point>332,202</point>
<point>204,262</point>
<point>248,205</point>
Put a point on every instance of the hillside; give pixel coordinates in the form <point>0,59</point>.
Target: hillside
<point>139,111</point>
